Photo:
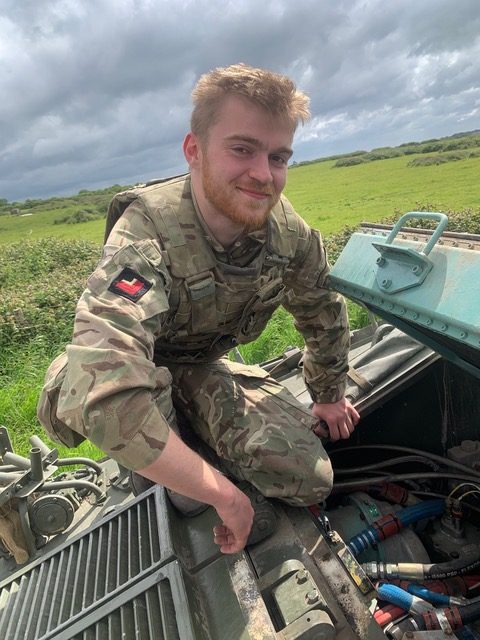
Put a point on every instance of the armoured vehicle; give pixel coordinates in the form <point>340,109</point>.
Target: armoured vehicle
<point>394,552</point>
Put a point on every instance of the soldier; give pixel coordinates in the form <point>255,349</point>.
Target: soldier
<point>192,267</point>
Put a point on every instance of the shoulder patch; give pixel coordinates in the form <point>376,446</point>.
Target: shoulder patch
<point>130,284</point>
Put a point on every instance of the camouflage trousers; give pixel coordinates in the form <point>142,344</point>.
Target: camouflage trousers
<point>256,427</point>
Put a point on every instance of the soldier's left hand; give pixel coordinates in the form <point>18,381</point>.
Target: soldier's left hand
<point>340,418</point>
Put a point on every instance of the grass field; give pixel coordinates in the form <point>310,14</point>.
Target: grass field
<point>41,277</point>
<point>328,198</point>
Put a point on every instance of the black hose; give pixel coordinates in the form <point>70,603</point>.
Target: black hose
<point>450,569</point>
<point>457,617</point>
<point>470,612</point>
<point>386,463</point>
<point>399,477</point>
<point>385,447</point>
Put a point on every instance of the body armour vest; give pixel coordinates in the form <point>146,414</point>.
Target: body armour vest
<point>213,306</point>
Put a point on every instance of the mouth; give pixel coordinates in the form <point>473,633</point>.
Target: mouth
<point>254,193</point>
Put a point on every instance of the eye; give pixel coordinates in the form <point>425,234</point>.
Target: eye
<point>241,150</point>
<point>278,160</point>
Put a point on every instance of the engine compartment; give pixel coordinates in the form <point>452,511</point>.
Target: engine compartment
<point>418,448</point>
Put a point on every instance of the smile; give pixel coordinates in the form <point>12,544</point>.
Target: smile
<point>259,195</point>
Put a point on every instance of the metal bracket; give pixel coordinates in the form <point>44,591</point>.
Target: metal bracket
<point>401,268</point>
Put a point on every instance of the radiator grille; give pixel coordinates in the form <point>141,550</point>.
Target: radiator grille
<point>149,615</point>
<point>78,577</point>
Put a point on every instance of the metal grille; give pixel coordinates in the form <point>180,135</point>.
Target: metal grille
<point>81,575</point>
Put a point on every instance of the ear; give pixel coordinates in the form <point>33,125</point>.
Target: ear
<point>192,150</point>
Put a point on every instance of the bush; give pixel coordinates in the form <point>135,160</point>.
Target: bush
<point>426,161</point>
<point>41,283</point>
<point>349,162</point>
<point>84,215</point>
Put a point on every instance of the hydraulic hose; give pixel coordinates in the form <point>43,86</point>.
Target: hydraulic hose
<point>457,617</point>
<point>421,591</point>
<point>387,614</point>
<point>420,572</point>
<point>452,464</point>
<point>401,598</point>
<point>391,523</point>
<point>391,462</point>
<point>361,483</point>
<point>456,587</point>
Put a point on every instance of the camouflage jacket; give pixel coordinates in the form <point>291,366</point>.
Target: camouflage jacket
<point>165,291</point>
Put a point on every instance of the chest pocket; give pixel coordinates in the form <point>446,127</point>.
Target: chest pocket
<point>259,310</point>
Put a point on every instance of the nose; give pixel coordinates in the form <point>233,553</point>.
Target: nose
<point>260,169</point>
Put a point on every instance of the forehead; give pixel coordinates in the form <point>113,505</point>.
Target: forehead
<point>242,118</point>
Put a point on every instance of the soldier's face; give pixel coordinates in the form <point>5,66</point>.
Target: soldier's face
<point>243,163</point>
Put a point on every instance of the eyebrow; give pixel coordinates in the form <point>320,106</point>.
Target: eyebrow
<point>256,143</point>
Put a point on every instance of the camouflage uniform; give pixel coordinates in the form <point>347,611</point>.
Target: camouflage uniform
<point>162,309</point>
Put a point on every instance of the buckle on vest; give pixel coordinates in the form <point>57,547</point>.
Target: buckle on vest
<point>200,286</point>
<point>272,258</point>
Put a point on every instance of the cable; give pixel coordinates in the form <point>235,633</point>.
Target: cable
<point>386,463</point>
<point>363,482</point>
<point>384,447</point>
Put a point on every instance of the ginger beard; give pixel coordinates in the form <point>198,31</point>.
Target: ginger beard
<point>235,205</point>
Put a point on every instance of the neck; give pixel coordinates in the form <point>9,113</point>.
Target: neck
<point>222,229</point>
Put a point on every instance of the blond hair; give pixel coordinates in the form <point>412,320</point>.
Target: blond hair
<point>276,93</point>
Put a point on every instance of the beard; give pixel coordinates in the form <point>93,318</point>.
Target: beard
<point>230,202</point>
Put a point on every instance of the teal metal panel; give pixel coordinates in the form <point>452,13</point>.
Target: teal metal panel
<point>444,303</point>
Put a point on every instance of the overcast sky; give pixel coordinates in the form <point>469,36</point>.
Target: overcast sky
<point>97,92</point>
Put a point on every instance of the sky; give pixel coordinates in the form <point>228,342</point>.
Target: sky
<point>97,92</point>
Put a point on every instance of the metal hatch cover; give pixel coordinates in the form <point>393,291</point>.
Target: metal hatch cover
<point>426,284</point>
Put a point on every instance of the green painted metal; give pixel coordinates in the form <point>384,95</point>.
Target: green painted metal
<point>442,308</point>
<point>400,267</point>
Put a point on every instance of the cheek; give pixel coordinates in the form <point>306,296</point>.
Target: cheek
<point>279,180</point>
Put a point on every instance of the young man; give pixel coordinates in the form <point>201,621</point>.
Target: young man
<point>191,268</point>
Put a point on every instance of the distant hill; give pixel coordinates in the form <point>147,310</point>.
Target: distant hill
<point>466,141</point>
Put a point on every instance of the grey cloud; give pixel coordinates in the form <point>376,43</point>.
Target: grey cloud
<point>95,93</point>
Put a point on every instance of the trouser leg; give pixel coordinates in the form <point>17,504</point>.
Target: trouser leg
<point>257,428</point>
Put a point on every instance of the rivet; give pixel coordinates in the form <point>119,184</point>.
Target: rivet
<point>380,261</point>
<point>386,283</point>
<point>416,269</point>
<point>414,315</point>
<point>463,335</point>
<point>443,327</point>
<point>428,322</point>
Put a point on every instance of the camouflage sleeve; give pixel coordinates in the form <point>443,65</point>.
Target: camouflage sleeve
<point>321,317</point>
<point>111,390</point>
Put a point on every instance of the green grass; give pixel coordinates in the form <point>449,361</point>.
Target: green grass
<point>42,224</point>
<point>331,198</point>
<point>22,371</point>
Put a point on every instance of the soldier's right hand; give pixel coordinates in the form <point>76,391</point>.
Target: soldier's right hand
<point>236,514</point>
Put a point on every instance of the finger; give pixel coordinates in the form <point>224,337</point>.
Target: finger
<point>223,539</point>
<point>220,529</point>
<point>354,415</point>
<point>230,548</point>
<point>321,431</point>
<point>334,432</point>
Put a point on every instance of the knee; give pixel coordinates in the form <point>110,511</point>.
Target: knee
<point>315,485</point>
<point>303,483</point>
